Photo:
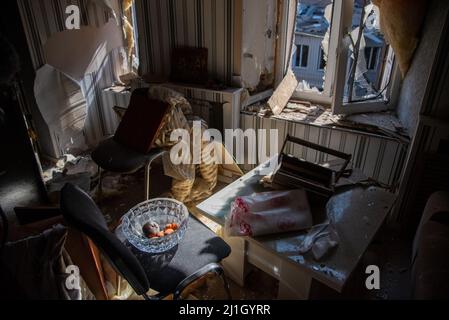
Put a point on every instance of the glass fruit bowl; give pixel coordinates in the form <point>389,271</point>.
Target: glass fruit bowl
<point>162,212</point>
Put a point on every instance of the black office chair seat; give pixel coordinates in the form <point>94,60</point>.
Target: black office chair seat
<point>115,157</point>
<point>197,255</point>
<point>200,247</point>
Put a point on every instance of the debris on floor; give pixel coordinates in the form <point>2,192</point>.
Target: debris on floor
<point>70,165</point>
<point>382,123</point>
<point>55,185</point>
<point>81,171</point>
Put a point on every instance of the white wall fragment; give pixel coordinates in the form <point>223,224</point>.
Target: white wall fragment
<point>80,52</point>
<point>258,40</point>
<point>63,87</point>
<point>63,108</point>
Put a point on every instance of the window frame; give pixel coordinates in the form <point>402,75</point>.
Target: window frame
<point>335,70</point>
<point>300,54</point>
<point>393,81</point>
<point>320,59</point>
<point>372,56</point>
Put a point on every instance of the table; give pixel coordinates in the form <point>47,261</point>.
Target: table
<point>357,213</point>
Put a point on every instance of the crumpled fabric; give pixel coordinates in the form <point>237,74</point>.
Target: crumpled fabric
<point>189,182</point>
<point>269,213</point>
<point>320,240</point>
<point>401,22</point>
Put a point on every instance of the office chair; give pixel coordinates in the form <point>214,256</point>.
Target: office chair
<point>131,147</point>
<point>198,254</point>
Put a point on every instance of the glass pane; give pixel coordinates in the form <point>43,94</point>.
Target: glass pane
<point>312,35</point>
<point>367,54</point>
<point>304,56</point>
<point>322,60</point>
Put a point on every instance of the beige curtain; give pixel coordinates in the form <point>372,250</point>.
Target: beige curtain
<point>401,22</point>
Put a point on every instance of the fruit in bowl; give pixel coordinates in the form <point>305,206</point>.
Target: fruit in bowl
<point>152,230</point>
<point>156,226</point>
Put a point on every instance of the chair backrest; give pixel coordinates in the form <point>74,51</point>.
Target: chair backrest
<point>82,214</point>
<point>142,122</point>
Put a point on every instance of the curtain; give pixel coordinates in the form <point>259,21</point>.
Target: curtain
<point>401,22</point>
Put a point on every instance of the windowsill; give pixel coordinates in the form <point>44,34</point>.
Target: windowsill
<point>384,124</point>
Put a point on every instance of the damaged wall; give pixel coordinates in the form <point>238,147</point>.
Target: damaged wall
<point>415,83</point>
<point>44,19</point>
<point>240,36</point>
<point>164,25</point>
<point>424,104</point>
<point>258,41</point>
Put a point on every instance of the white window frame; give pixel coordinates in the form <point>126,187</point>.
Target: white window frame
<point>388,101</point>
<point>335,71</point>
<point>373,56</point>
<point>325,97</point>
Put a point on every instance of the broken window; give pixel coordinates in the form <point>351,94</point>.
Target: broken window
<point>312,32</point>
<point>371,56</point>
<point>366,43</point>
<point>354,68</point>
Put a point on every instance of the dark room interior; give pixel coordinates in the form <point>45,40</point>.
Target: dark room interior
<point>245,150</point>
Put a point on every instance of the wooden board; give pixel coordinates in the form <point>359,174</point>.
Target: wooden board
<point>283,93</point>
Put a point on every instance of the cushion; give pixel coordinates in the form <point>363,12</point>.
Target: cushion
<point>114,157</point>
<point>141,122</point>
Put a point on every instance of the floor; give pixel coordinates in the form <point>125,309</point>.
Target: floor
<point>389,252</point>
<point>19,177</point>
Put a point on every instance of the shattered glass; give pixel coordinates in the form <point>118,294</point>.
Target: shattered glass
<point>368,52</point>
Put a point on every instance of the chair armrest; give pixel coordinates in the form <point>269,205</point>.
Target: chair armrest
<point>210,268</point>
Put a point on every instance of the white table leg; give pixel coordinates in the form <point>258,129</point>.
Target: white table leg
<point>294,284</point>
<point>235,265</point>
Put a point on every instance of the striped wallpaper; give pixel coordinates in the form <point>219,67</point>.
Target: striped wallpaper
<point>377,157</point>
<point>165,24</point>
<point>42,19</point>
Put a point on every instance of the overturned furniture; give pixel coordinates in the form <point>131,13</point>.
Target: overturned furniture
<point>132,146</point>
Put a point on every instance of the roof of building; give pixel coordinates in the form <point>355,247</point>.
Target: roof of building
<point>311,20</point>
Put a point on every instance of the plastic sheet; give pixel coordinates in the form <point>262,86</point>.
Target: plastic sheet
<point>320,240</point>
<point>269,213</point>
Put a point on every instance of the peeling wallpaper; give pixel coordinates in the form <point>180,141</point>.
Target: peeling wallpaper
<point>258,40</point>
